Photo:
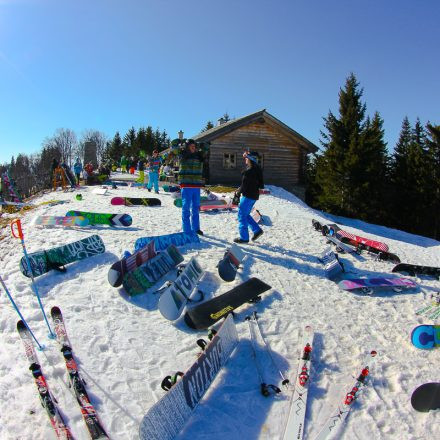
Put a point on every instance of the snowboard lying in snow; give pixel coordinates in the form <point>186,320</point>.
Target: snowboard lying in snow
<point>426,337</point>
<point>426,397</point>
<point>135,201</point>
<point>370,285</point>
<point>44,261</point>
<point>173,300</point>
<point>413,270</point>
<point>209,312</point>
<point>50,220</point>
<point>166,418</point>
<point>203,201</point>
<point>161,242</point>
<point>96,218</point>
<point>121,267</point>
<point>143,277</point>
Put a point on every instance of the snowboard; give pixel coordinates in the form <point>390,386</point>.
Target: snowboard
<point>369,285</point>
<point>44,261</point>
<point>340,246</point>
<point>219,206</point>
<point>115,182</point>
<point>209,312</point>
<point>166,418</point>
<point>256,215</point>
<point>413,270</point>
<point>332,266</point>
<point>69,175</point>
<point>121,267</point>
<point>161,242</point>
<point>173,300</point>
<point>148,274</point>
<point>50,220</point>
<point>426,337</point>
<point>203,200</point>
<point>100,191</point>
<point>426,397</point>
<point>134,201</point>
<point>229,264</point>
<point>96,218</point>
<point>171,188</point>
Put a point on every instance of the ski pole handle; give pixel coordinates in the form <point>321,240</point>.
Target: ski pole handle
<point>17,223</point>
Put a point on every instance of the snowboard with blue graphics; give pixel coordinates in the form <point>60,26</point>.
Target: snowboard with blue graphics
<point>426,337</point>
<point>161,242</point>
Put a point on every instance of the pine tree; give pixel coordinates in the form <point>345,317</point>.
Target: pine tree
<point>208,126</point>
<point>341,142</point>
<point>433,145</point>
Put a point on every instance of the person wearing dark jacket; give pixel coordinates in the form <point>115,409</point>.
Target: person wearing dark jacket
<point>252,181</point>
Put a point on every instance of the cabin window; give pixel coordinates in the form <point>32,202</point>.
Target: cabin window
<point>260,160</point>
<point>229,160</point>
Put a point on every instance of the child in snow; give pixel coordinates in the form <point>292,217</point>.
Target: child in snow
<point>252,181</point>
<point>153,172</point>
<point>191,180</point>
<point>77,168</point>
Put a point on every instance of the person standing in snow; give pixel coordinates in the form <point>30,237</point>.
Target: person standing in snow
<point>77,168</point>
<point>153,172</point>
<point>252,181</point>
<point>191,180</point>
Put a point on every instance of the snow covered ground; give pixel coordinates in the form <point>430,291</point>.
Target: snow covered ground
<point>125,347</point>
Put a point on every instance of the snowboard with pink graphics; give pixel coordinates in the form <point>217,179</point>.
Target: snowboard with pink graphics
<point>369,285</point>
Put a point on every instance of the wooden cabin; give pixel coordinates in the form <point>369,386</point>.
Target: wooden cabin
<point>281,149</point>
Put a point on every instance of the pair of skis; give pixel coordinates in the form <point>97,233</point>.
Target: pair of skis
<point>294,428</point>
<point>76,383</point>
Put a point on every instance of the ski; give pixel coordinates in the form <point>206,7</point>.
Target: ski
<point>294,428</point>
<point>47,400</point>
<point>338,417</point>
<point>76,383</point>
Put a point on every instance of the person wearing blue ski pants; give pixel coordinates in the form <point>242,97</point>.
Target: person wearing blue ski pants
<point>153,179</point>
<point>245,220</point>
<point>190,209</point>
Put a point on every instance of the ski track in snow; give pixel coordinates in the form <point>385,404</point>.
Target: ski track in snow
<point>124,347</point>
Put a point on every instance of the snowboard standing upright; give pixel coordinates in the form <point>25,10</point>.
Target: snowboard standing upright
<point>168,416</point>
<point>121,267</point>
<point>173,300</point>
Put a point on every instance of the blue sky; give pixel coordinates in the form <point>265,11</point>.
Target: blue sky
<point>110,64</point>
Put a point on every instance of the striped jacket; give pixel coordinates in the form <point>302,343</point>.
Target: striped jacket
<point>191,169</point>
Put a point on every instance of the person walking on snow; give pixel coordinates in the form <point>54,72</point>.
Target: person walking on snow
<point>191,180</point>
<point>153,172</point>
<point>77,168</point>
<point>252,181</point>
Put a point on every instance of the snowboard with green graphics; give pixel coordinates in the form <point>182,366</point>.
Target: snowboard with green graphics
<point>203,201</point>
<point>55,258</point>
<point>97,218</point>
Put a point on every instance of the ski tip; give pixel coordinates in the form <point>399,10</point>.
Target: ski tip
<point>55,310</point>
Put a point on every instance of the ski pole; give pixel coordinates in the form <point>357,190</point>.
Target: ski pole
<point>285,381</point>
<point>20,236</point>
<point>266,389</point>
<point>40,347</point>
